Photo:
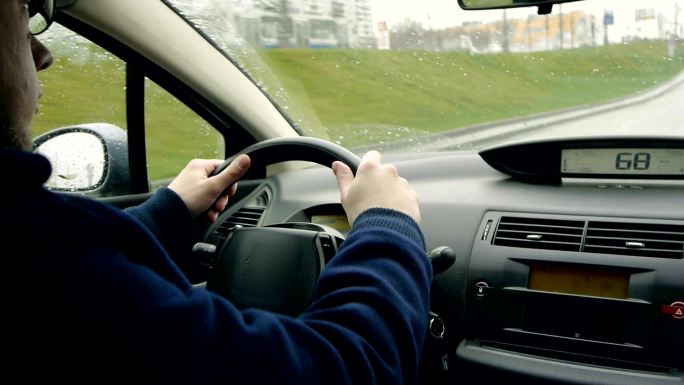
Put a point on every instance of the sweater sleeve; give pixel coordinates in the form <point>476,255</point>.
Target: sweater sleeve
<point>372,300</point>
<point>168,218</point>
<point>366,324</point>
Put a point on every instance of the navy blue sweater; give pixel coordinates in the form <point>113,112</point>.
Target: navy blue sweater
<point>92,295</point>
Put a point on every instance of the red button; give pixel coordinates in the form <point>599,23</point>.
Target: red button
<point>676,310</point>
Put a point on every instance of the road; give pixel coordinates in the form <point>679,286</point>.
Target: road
<point>663,115</point>
<point>657,112</point>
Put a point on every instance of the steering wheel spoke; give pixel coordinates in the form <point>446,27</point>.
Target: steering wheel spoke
<point>276,267</point>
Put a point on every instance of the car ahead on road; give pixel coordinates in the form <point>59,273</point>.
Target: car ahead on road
<point>546,144</point>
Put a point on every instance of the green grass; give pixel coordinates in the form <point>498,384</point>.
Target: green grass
<point>85,89</point>
<point>92,89</point>
<point>359,97</point>
<point>175,135</point>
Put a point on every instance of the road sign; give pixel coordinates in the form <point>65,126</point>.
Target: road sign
<point>608,18</point>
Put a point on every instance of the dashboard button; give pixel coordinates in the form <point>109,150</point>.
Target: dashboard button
<point>482,289</point>
<point>676,310</point>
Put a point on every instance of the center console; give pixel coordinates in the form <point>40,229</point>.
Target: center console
<point>589,292</point>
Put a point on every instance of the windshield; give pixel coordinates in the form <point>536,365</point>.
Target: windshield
<point>426,75</point>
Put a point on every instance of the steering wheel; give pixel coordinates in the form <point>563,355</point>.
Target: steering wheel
<point>294,148</point>
<point>276,267</point>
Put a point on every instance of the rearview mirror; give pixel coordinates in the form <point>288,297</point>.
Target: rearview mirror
<point>544,5</point>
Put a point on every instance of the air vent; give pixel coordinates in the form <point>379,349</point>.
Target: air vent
<point>539,233</point>
<point>638,239</point>
<point>247,216</point>
<point>261,200</point>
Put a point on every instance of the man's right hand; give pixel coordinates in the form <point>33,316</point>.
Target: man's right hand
<point>376,185</point>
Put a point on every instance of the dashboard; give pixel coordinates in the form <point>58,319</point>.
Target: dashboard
<point>556,279</point>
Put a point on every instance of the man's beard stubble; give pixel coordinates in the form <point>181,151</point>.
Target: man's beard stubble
<point>11,140</point>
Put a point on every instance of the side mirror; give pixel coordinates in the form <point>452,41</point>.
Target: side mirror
<point>90,159</point>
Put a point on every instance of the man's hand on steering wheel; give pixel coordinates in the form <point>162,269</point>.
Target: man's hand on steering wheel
<point>285,284</point>
<point>376,185</point>
<point>203,193</point>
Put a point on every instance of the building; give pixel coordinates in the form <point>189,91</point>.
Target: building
<point>647,24</point>
<point>535,33</point>
<point>305,23</point>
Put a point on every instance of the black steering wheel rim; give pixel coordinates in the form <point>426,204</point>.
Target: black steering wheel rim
<point>298,148</point>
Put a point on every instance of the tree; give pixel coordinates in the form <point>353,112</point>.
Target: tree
<point>408,34</point>
<point>480,39</point>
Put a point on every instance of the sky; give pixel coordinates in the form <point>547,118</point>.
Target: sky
<point>439,14</point>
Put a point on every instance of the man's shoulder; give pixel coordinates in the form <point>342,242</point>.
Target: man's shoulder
<point>48,217</point>
<point>25,174</point>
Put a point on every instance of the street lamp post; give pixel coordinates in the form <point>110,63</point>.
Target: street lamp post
<point>505,46</point>
<point>548,37</point>
<point>529,33</point>
<point>560,22</point>
<point>676,19</point>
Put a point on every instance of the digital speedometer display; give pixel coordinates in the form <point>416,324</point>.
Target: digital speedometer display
<point>623,161</point>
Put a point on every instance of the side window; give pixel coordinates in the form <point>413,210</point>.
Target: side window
<point>85,84</point>
<point>174,135</point>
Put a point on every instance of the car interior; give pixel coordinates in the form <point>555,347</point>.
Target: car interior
<point>557,258</point>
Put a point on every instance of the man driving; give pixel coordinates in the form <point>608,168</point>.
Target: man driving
<point>93,294</point>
